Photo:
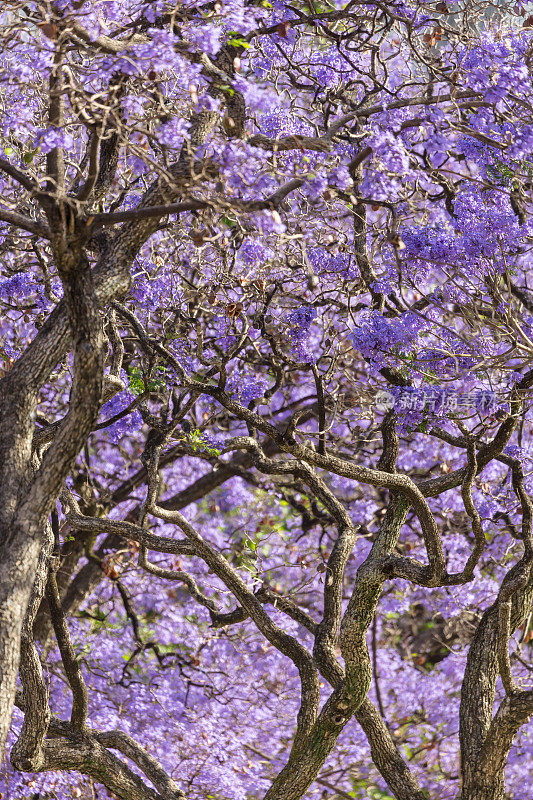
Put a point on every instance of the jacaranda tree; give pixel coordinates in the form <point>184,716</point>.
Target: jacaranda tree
<point>266,350</point>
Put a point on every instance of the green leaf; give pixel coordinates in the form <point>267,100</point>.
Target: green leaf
<point>228,89</point>
<point>135,381</point>
<point>158,379</point>
<point>239,42</point>
<point>228,221</point>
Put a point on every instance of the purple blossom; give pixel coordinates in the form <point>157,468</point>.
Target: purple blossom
<point>52,137</point>
<point>173,133</point>
<point>19,286</point>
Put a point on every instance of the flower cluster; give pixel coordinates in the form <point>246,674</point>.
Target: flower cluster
<point>376,335</point>
<point>299,328</point>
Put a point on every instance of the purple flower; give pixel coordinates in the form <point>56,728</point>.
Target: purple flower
<point>246,386</point>
<point>205,38</point>
<point>173,133</point>
<point>52,137</point>
<point>19,286</point>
